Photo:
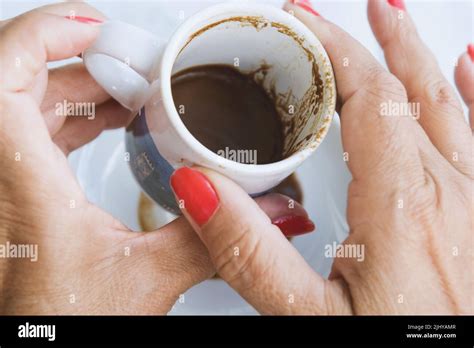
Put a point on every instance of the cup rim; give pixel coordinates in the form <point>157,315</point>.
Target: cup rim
<point>166,67</point>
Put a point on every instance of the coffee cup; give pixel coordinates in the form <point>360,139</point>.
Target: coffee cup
<point>289,62</point>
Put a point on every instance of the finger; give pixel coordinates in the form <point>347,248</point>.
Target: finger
<point>464,77</point>
<point>34,38</point>
<point>289,216</point>
<point>275,205</point>
<point>409,59</point>
<point>75,9</point>
<point>372,142</point>
<point>184,256</point>
<point>248,251</point>
<point>177,251</point>
<point>69,84</point>
<point>81,129</point>
<point>79,11</point>
<point>158,266</point>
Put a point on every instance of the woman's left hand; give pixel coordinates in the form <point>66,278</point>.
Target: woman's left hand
<point>87,261</point>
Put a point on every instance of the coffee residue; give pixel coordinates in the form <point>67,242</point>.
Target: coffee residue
<point>303,109</point>
<point>229,113</point>
<point>146,217</point>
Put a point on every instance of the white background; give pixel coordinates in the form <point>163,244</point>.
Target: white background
<point>446,27</point>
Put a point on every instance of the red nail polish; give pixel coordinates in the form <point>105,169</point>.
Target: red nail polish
<point>86,20</point>
<point>193,189</point>
<point>397,3</point>
<point>470,51</point>
<point>305,5</point>
<point>292,225</point>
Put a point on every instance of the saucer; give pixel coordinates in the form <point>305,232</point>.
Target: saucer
<point>102,170</point>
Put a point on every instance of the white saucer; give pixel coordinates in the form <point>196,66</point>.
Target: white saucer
<point>104,175</point>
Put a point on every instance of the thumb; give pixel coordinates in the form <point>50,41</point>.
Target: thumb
<point>248,251</point>
<point>33,39</point>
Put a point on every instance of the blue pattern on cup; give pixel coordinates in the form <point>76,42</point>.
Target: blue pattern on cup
<point>149,167</point>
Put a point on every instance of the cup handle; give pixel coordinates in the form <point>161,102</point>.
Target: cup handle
<point>124,61</point>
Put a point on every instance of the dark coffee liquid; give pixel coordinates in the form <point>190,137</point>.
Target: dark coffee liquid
<point>228,111</point>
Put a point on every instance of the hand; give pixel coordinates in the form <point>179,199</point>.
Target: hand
<point>87,262</point>
<point>410,200</point>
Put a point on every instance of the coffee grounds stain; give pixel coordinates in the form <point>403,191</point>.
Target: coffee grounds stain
<point>309,105</point>
<point>305,108</point>
<point>146,219</point>
<point>257,22</point>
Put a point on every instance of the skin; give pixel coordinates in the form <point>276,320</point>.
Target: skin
<point>82,249</point>
<point>419,256</point>
<point>85,256</point>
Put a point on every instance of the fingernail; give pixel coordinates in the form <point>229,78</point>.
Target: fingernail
<point>195,194</point>
<point>397,3</point>
<point>470,51</point>
<point>292,225</point>
<point>86,20</point>
<point>305,5</point>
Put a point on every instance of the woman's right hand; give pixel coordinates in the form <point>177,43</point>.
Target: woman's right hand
<point>410,200</point>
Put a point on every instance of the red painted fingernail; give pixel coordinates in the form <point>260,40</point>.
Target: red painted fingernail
<point>196,193</point>
<point>397,3</point>
<point>81,19</point>
<point>292,225</point>
<point>305,5</point>
<point>470,51</point>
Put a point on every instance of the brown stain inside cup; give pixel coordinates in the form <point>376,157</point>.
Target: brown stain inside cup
<point>303,108</point>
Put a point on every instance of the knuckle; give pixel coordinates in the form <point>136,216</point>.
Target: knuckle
<point>407,37</point>
<point>422,198</point>
<point>439,93</point>
<point>383,86</point>
<point>237,259</point>
<point>412,201</point>
<point>32,21</point>
<point>28,28</point>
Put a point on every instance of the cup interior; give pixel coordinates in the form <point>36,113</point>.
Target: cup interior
<point>292,67</point>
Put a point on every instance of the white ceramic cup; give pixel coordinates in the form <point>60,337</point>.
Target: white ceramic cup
<point>287,59</point>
